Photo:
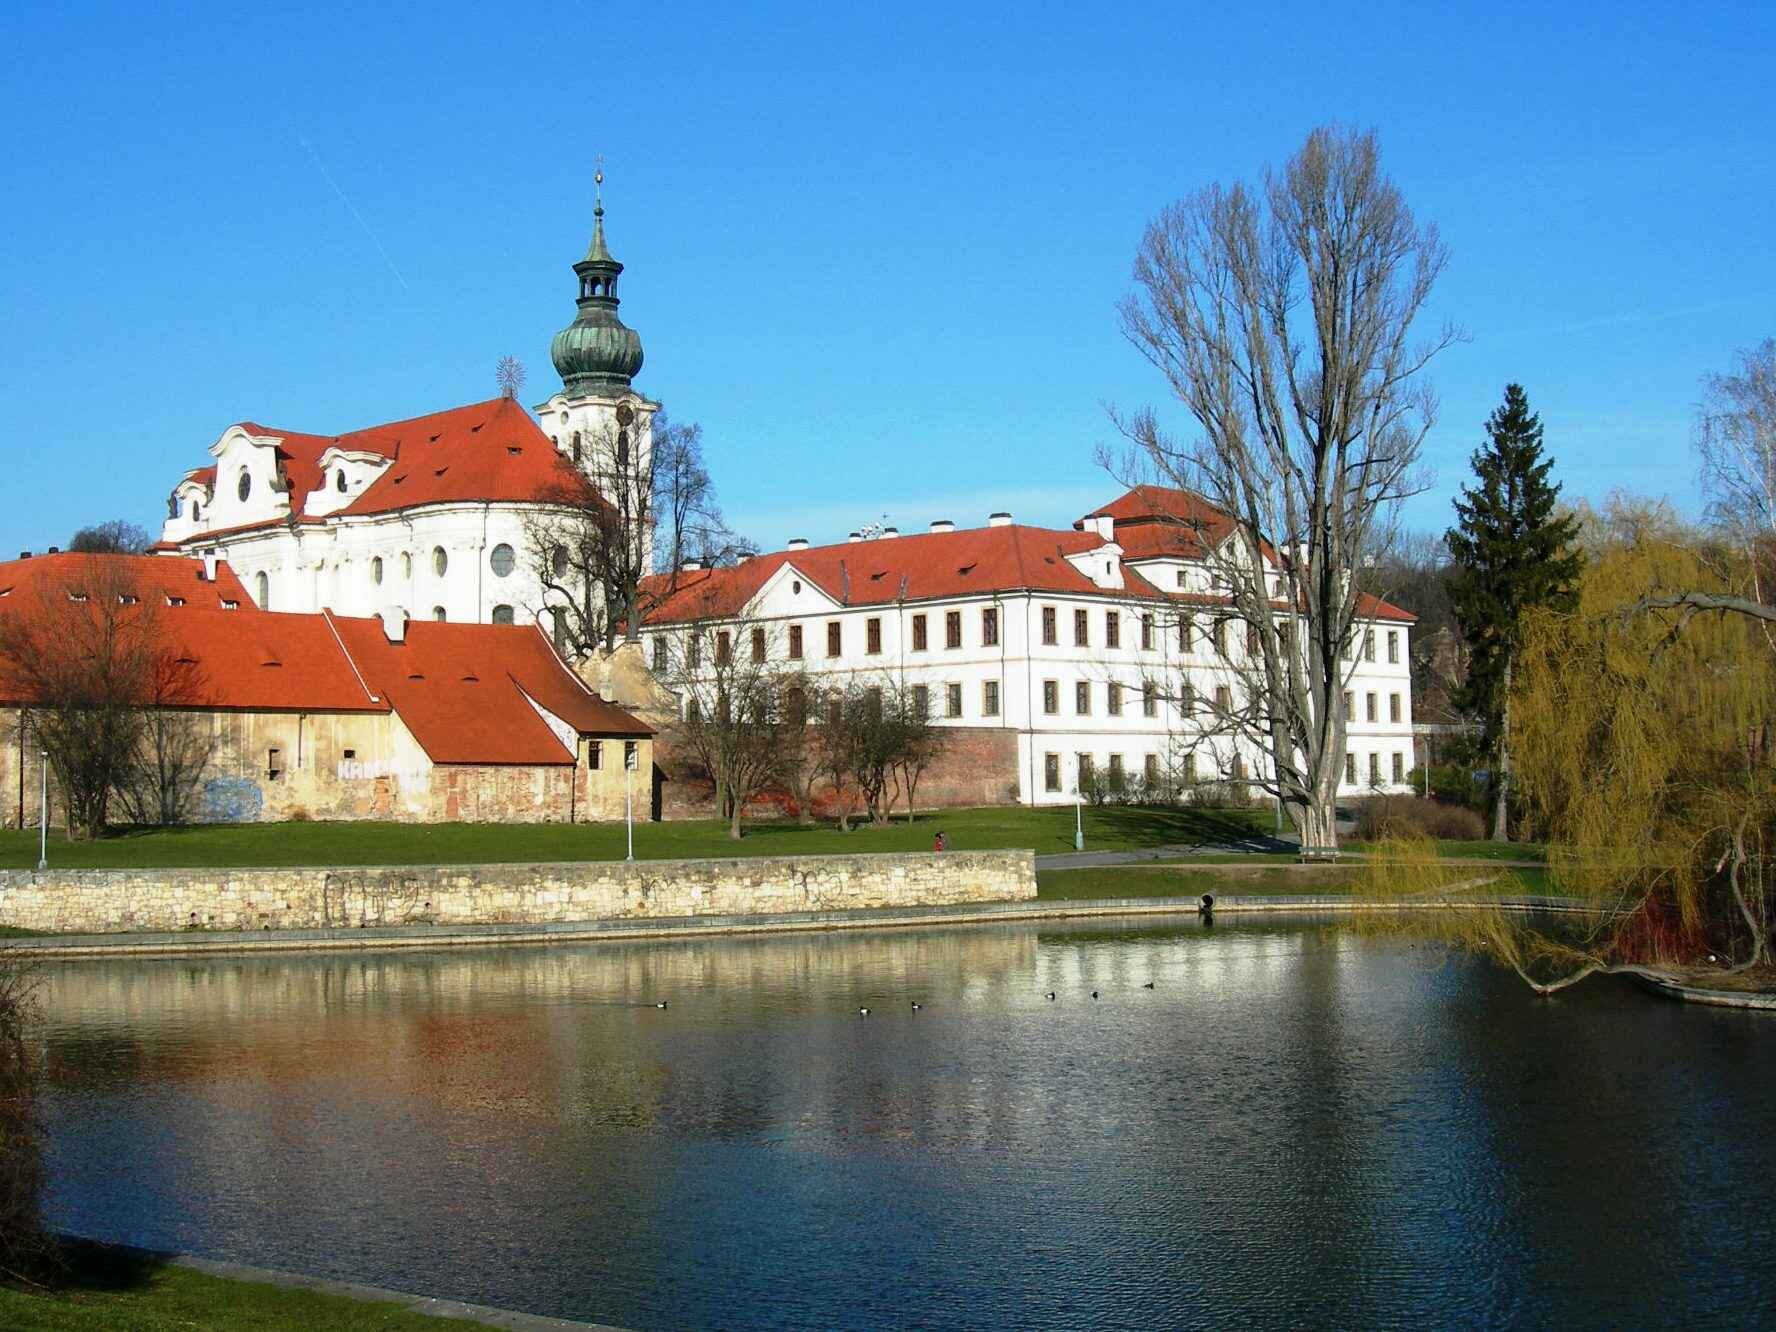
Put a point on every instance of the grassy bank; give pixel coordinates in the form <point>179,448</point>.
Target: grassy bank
<point>1194,878</point>
<point>1117,828</point>
<point>105,1288</point>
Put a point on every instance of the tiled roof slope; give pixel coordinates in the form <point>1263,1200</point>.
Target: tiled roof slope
<point>461,690</point>
<point>145,575</point>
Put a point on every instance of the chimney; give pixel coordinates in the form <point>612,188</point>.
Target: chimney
<point>1104,525</point>
<point>394,624</point>
<point>855,536</point>
<point>890,531</point>
<point>999,520</point>
<point>943,525</point>
<point>798,543</point>
<point>55,550</point>
<point>24,554</point>
<point>209,573</point>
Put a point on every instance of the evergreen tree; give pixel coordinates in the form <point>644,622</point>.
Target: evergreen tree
<point>1512,554</point>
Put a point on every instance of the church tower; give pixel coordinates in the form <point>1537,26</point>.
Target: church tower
<point>598,420</point>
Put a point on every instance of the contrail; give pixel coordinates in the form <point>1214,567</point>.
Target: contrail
<point>344,199</point>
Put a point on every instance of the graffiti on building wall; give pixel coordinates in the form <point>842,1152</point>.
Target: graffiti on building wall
<point>361,770</point>
<point>372,897</point>
<point>232,800</point>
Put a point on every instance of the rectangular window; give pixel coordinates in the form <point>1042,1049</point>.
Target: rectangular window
<point>1183,579</point>
<point>990,627</point>
<point>1239,767</point>
<point>1048,626</point>
<point>1082,698</point>
<point>1083,766</point>
<point>990,698</point>
<point>1394,647</point>
<point>1115,772</point>
<point>1350,769</point>
<point>694,650</point>
<point>921,701</point>
<point>1150,769</point>
<point>631,755</point>
<point>1051,772</point>
<point>1218,636</point>
<point>1051,697</point>
<point>1368,645</point>
<point>920,641</point>
<point>758,645</point>
<point>1187,700</point>
<point>1149,703</point>
<point>1370,709</point>
<point>953,629</point>
<point>1146,633</point>
<point>1399,768</point>
<point>1350,706</point>
<point>1224,698</point>
<point>795,642</point>
<point>1113,703</point>
<point>1186,631</point>
<point>274,764</point>
<point>1081,628</point>
<point>834,639</point>
<point>1112,629</point>
<point>595,754</point>
<point>1251,640</point>
<point>872,635</point>
<point>1190,767</point>
<point>660,651</point>
<point>1375,770</point>
<point>1393,707</point>
<point>724,647</point>
<point>953,700</point>
<point>835,711</point>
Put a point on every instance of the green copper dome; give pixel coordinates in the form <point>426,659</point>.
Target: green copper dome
<point>598,352</point>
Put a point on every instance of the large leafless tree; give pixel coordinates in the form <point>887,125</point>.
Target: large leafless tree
<point>1281,316</point>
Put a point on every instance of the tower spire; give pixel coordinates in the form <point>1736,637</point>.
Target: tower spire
<point>597,353</point>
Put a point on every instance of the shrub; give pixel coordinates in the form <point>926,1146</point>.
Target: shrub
<point>25,1247</point>
<point>1223,795</point>
<point>1396,815</point>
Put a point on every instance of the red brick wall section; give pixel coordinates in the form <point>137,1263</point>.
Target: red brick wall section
<point>978,767</point>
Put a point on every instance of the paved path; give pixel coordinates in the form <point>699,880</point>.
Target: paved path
<point>1258,844</point>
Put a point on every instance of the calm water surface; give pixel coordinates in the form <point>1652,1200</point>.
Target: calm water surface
<point>1293,1127</point>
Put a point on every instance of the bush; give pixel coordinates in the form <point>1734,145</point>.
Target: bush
<point>25,1247</point>
<point>1396,815</point>
<point>1223,795</point>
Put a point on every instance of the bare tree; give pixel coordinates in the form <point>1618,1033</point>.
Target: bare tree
<point>878,735</point>
<point>1736,438</point>
<point>1280,317</point>
<point>85,652</point>
<point>743,715</point>
<point>175,747</point>
<point>629,508</point>
<point>116,537</point>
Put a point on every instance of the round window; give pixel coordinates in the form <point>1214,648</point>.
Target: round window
<point>440,561</point>
<point>796,586</point>
<point>502,560</point>
<point>376,570</point>
<point>244,486</point>
<point>558,561</point>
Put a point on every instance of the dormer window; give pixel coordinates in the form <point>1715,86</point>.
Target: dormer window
<point>339,480</point>
<point>196,511</point>
<point>244,486</point>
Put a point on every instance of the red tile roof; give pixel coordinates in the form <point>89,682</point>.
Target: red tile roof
<point>462,690</point>
<point>488,451</point>
<point>144,575</point>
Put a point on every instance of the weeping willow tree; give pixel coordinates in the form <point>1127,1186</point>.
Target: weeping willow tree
<point>1645,718</point>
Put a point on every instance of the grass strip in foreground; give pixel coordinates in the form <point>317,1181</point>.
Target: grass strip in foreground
<point>106,1287</point>
<point>1192,878</point>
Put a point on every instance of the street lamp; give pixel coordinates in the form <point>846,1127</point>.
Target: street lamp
<point>630,755</point>
<point>1078,820</point>
<point>43,812</point>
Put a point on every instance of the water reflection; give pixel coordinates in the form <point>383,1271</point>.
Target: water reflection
<point>1293,1126</point>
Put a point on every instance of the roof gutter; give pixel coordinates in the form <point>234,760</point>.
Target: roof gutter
<point>327,615</point>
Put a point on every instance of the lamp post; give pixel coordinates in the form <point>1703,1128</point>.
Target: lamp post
<point>1078,821</point>
<point>43,812</point>
<point>629,799</point>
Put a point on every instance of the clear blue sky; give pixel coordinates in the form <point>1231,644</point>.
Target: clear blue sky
<point>874,250</point>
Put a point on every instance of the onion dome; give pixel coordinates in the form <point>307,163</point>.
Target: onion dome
<point>597,353</point>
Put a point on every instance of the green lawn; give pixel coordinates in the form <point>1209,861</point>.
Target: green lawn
<point>1266,878</point>
<point>1112,828</point>
<point>106,1289</point>
<point>1477,850</point>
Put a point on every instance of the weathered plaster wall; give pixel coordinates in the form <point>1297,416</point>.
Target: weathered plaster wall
<point>100,901</point>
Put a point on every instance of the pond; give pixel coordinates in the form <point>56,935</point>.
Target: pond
<point>1294,1125</point>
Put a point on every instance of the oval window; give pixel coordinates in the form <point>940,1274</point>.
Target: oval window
<point>558,561</point>
<point>502,615</point>
<point>339,480</point>
<point>244,486</point>
<point>796,586</point>
<point>440,561</point>
<point>502,560</point>
<point>376,570</point>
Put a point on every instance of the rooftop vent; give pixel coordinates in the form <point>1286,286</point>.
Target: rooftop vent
<point>24,554</point>
<point>209,566</point>
<point>855,536</point>
<point>999,520</point>
<point>890,531</point>
<point>795,543</point>
<point>693,564</point>
<point>55,550</point>
<point>943,525</point>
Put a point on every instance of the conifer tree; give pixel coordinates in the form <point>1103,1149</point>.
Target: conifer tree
<point>1512,554</point>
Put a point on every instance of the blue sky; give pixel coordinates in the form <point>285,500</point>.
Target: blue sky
<point>874,251</point>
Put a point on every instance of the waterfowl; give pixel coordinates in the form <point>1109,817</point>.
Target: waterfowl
<point>661,1004</point>
<point>863,1012</point>
<point>916,1005</point>
<point>1094,994</point>
<point>1051,995</point>
<point>1148,986</point>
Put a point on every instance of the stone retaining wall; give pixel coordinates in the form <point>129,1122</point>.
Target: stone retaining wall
<point>101,901</point>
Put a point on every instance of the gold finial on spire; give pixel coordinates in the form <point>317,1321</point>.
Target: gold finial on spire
<point>598,185</point>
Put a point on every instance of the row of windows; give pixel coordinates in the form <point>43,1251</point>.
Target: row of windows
<point>1115,695</point>
<point>1371,707</point>
<point>1116,770</point>
<point>1397,767</point>
<point>502,559</point>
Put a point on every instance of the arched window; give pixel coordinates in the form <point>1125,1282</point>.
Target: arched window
<point>440,561</point>
<point>438,614</point>
<point>406,564</point>
<point>196,511</point>
<point>622,449</point>
<point>576,446</point>
<point>244,486</point>
<point>262,589</point>
<point>339,480</point>
<point>376,570</point>
<point>558,614</point>
<point>502,615</point>
<point>502,561</point>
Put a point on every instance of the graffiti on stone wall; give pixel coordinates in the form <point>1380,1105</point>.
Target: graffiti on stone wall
<point>353,898</point>
<point>232,800</point>
<point>358,770</point>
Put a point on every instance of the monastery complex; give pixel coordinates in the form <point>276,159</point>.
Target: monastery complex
<point>374,641</point>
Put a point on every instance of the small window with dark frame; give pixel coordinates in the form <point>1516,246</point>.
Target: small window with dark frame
<point>872,635</point>
<point>1149,701</point>
<point>1051,697</point>
<point>795,642</point>
<point>1081,628</point>
<point>1082,698</point>
<point>1393,647</point>
<point>1147,633</point>
<point>758,645</point>
<point>953,700</point>
<point>1083,766</point>
<point>1112,629</point>
<point>921,701</point>
<point>724,647</point>
<point>1051,772</point>
<point>989,698</point>
<point>1150,769</point>
<point>953,629</point>
<point>1393,707</point>
<point>990,626</point>
<point>834,637</point>
<point>595,753</point>
<point>660,651</point>
<point>1113,700</point>
<point>1049,636</point>
<point>920,639</point>
<point>1399,768</point>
